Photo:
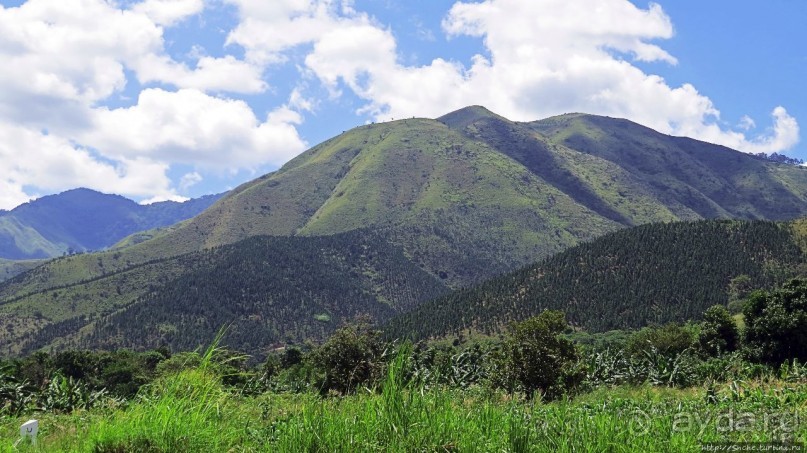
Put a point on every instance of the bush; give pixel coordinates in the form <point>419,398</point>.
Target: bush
<point>669,340</point>
<point>444,365</point>
<point>291,356</point>
<point>65,394</point>
<point>179,362</point>
<point>271,367</point>
<point>718,334</point>
<point>15,395</point>
<point>776,324</point>
<point>351,357</point>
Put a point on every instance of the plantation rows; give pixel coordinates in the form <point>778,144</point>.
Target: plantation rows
<point>655,273</point>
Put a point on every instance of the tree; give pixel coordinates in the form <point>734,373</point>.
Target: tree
<point>271,367</point>
<point>291,356</point>
<point>537,358</point>
<point>718,333</point>
<point>350,358</point>
<point>776,324</point>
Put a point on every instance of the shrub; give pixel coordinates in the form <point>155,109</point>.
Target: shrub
<point>15,396</point>
<point>65,394</point>
<point>718,334</point>
<point>179,362</point>
<point>291,356</point>
<point>351,357</point>
<point>669,340</point>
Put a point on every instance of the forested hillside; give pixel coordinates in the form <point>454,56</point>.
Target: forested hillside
<point>648,274</point>
<point>267,290</point>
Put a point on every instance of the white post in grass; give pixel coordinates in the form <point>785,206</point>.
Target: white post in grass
<point>29,429</point>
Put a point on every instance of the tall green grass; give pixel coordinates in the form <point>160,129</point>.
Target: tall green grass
<point>181,412</point>
<point>192,411</point>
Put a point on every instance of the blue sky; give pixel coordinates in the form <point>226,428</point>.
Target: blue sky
<point>168,99</point>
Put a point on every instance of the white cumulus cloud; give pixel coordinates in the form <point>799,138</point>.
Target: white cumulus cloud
<point>747,123</point>
<point>189,180</point>
<point>29,156</point>
<point>544,57</point>
<point>64,60</point>
<point>68,65</point>
<point>169,12</point>
<point>189,126</point>
<point>268,29</point>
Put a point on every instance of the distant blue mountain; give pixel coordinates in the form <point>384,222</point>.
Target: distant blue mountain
<point>80,220</point>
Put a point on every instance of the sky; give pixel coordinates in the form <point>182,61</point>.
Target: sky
<point>170,99</point>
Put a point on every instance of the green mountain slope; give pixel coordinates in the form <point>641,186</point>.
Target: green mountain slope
<point>268,290</point>
<point>19,241</point>
<point>81,219</point>
<point>648,274</point>
<point>694,179</point>
<point>467,196</point>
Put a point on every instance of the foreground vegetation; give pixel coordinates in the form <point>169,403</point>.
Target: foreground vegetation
<point>192,411</point>
<point>537,388</point>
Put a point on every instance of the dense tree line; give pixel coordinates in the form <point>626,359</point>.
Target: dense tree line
<point>779,158</point>
<point>654,273</point>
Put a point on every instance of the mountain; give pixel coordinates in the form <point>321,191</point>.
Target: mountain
<point>471,194</point>
<point>654,273</point>
<point>81,220</point>
<point>466,197</point>
<point>267,290</point>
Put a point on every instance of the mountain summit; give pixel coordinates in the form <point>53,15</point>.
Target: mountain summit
<point>461,118</point>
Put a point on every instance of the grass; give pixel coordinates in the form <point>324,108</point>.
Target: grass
<point>195,414</point>
<point>191,411</point>
<point>11,268</point>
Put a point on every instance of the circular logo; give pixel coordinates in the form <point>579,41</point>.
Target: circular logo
<point>639,423</point>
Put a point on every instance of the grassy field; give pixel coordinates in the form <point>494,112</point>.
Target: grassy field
<point>192,411</point>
